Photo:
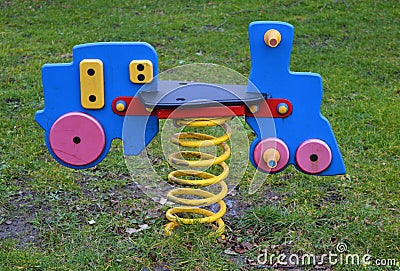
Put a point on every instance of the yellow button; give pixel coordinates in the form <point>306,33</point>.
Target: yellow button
<point>282,108</point>
<point>254,108</point>
<point>120,106</point>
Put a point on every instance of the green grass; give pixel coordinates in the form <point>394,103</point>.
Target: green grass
<point>45,208</point>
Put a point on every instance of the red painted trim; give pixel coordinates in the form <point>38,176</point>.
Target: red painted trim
<point>269,109</point>
<point>266,109</point>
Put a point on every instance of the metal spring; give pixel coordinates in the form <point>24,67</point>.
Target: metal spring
<point>199,178</point>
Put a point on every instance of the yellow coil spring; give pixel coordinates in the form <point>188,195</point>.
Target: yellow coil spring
<point>203,198</point>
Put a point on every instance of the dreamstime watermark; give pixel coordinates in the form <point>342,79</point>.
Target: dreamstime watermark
<point>338,257</point>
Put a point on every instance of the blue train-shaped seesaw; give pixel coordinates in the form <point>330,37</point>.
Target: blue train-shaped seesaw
<point>87,101</point>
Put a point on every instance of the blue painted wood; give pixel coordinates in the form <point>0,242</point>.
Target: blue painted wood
<point>61,88</point>
<point>270,73</point>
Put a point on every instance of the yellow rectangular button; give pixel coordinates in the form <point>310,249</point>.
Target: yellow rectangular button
<point>92,83</point>
<point>141,71</point>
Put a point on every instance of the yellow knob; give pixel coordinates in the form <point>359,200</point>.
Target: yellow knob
<point>254,108</point>
<point>272,38</point>
<point>120,106</point>
<point>271,157</point>
<point>282,108</point>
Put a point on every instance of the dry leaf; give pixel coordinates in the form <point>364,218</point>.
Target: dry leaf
<point>132,230</point>
<point>229,251</point>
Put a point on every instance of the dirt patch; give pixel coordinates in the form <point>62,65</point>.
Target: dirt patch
<point>18,228</point>
<point>17,216</point>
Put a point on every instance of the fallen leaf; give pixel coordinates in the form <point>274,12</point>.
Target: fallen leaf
<point>247,245</point>
<point>132,230</point>
<point>144,226</point>
<point>239,249</point>
<point>229,251</point>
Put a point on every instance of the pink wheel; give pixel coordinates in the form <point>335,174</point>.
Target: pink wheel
<point>77,138</point>
<point>313,156</point>
<point>271,155</point>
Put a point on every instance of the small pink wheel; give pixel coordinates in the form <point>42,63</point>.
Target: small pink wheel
<point>313,156</point>
<point>280,154</point>
<point>77,138</point>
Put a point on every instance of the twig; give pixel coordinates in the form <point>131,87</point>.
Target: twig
<point>219,26</point>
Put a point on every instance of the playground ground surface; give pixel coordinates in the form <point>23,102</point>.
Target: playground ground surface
<point>55,218</point>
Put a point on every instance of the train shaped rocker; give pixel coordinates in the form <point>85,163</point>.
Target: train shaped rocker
<point>87,101</point>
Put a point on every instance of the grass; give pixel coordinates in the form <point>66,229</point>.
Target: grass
<point>45,208</point>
